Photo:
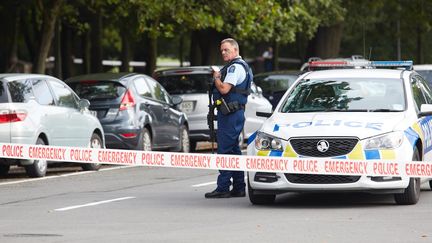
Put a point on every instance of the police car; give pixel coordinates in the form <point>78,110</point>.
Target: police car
<point>355,112</point>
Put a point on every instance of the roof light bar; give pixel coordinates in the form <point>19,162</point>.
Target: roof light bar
<point>361,64</point>
<point>391,63</point>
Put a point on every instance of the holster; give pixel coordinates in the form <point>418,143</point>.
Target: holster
<point>228,108</point>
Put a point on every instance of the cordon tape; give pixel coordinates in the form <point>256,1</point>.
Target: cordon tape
<point>219,161</point>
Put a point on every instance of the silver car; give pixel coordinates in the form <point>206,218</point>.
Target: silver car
<point>40,109</point>
<point>192,85</point>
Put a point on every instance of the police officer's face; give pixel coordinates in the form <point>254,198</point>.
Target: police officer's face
<point>228,51</point>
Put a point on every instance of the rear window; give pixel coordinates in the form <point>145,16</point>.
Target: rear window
<point>20,90</point>
<point>98,90</point>
<point>3,93</point>
<point>186,84</point>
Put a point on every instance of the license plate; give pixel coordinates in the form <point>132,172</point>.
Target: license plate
<point>186,106</point>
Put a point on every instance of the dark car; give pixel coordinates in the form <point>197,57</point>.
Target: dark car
<point>274,84</point>
<point>135,111</point>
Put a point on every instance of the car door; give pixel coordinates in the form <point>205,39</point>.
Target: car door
<point>169,118</point>
<point>423,95</point>
<point>73,129</point>
<point>51,120</point>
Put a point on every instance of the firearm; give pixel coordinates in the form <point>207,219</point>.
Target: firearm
<point>212,107</point>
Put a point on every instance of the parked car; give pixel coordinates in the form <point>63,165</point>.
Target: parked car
<point>42,110</point>
<point>135,111</point>
<point>275,84</point>
<point>425,70</point>
<point>192,84</point>
<point>356,114</point>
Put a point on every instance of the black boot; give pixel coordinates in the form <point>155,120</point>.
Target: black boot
<point>216,194</point>
<point>237,193</point>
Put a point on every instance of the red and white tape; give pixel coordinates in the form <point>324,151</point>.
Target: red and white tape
<point>219,161</point>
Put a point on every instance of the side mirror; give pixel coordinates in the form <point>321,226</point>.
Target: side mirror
<point>176,100</point>
<point>425,110</point>
<point>259,90</point>
<point>83,104</point>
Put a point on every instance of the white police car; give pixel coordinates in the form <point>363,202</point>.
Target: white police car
<point>358,114</point>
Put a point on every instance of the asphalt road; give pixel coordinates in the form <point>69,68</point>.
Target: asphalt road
<point>141,204</point>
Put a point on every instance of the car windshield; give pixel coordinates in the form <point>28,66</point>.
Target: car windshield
<point>279,82</point>
<point>346,95</point>
<point>98,90</point>
<point>186,84</point>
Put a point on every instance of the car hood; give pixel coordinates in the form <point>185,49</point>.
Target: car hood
<point>361,125</point>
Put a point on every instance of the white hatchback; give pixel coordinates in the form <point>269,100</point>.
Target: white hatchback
<point>360,114</point>
<point>40,109</point>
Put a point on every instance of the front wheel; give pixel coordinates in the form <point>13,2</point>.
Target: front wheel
<point>39,166</point>
<point>95,142</point>
<point>411,194</point>
<point>259,199</point>
<point>4,169</point>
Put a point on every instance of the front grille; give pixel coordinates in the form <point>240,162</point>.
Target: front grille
<point>309,146</point>
<point>320,179</point>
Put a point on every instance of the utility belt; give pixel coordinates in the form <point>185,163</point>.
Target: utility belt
<point>228,108</point>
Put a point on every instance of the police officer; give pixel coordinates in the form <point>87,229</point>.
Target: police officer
<point>231,88</point>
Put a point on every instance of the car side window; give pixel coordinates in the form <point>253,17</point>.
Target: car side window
<point>417,93</point>
<point>20,90</point>
<point>158,91</point>
<point>425,89</point>
<point>142,87</point>
<point>64,96</point>
<point>42,92</point>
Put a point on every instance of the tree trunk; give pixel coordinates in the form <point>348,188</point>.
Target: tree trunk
<point>96,44</point>
<point>326,43</point>
<point>181,46</point>
<point>86,52</point>
<point>151,56</point>
<point>50,14</point>
<point>276,50</point>
<point>10,19</point>
<point>126,49</point>
<point>68,66</point>
<point>420,56</point>
<point>58,52</point>
<point>209,42</point>
<point>195,51</point>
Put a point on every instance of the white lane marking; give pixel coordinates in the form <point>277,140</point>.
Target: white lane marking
<point>204,184</point>
<point>93,204</point>
<point>65,175</point>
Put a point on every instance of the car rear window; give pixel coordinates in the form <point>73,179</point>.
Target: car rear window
<point>98,90</point>
<point>186,83</point>
<point>20,90</point>
<point>3,93</point>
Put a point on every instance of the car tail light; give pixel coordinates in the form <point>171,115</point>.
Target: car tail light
<point>13,117</point>
<point>127,101</point>
<point>128,135</point>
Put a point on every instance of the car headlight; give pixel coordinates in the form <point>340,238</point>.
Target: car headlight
<point>266,142</point>
<point>387,141</point>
